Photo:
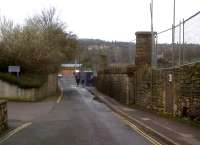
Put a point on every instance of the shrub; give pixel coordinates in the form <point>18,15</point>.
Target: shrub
<point>38,46</point>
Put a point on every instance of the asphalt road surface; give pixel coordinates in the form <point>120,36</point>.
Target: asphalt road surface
<point>78,119</point>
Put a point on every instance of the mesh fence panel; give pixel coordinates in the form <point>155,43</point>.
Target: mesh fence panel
<point>191,47</point>
<point>178,44</point>
<point>164,48</point>
<point>186,47</point>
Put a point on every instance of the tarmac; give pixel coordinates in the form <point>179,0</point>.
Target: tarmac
<point>77,119</point>
<point>166,131</point>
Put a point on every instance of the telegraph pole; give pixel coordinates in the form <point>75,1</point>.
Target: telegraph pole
<point>153,50</point>
<point>173,35</point>
<point>153,58</point>
<point>173,55</point>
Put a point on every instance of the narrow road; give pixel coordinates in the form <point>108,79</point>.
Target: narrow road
<point>78,119</point>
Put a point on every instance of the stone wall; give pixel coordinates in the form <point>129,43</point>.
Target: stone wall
<point>114,82</point>
<point>152,89</point>
<point>188,90</point>
<point>172,91</point>
<point>12,92</point>
<point>3,116</point>
<point>133,85</point>
<point>143,86</point>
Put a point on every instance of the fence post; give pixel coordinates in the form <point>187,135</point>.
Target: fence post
<point>156,50</point>
<point>173,60</point>
<point>179,48</point>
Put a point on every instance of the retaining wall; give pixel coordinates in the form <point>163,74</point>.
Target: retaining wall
<point>13,92</point>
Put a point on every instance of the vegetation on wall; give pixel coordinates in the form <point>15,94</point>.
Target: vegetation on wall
<point>26,81</point>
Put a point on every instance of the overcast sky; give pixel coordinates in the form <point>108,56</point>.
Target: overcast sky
<point>104,19</point>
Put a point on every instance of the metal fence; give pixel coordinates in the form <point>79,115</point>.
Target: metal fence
<point>186,47</point>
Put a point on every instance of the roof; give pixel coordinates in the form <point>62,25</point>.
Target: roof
<point>71,65</point>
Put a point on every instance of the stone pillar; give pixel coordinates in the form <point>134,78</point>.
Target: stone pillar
<point>143,48</point>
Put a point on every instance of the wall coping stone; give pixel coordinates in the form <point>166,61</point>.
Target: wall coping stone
<point>3,101</point>
<point>144,33</point>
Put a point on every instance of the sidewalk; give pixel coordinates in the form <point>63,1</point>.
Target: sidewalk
<point>163,129</point>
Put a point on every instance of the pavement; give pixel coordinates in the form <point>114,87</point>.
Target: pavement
<point>166,131</point>
<point>76,119</point>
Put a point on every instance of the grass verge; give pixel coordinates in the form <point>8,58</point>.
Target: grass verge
<point>25,81</point>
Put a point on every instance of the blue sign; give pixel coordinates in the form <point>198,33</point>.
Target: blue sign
<point>15,69</point>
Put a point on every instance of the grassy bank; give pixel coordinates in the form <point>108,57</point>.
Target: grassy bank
<point>25,81</point>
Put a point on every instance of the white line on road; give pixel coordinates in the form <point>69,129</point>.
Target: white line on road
<point>61,96</point>
<point>13,132</point>
<point>59,99</point>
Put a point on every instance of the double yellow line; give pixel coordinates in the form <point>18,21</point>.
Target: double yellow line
<point>149,138</point>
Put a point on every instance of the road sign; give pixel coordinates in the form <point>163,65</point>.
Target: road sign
<point>13,69</point>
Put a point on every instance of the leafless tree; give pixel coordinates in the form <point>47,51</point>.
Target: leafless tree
<point>40,45</point>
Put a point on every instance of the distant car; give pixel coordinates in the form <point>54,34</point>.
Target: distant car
<point>60,75</point>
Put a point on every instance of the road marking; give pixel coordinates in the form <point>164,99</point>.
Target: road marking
<point>15,131</point>
<point>73,86</point>
<point>61,96</point>
<point>145,118</point>
<point>59,99</point>
<point>149,138</point>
